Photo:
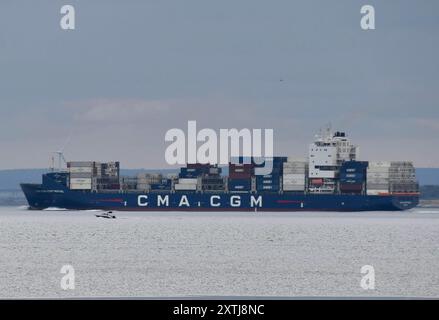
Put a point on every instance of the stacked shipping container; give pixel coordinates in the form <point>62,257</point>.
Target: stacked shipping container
<point>144,180</point>
<point>270,182</point>
<point>81,174</point>
<point>294,173</point>
<point>153,182</point>
<point>212,179</point>
<point>353,176</point>
<point>87,175</point>
<point>378,177</point>
<point>240,177</point>
<point>186,184</point>
<point>288,175</point>
<point>402,177</point>
<point>201,177</point>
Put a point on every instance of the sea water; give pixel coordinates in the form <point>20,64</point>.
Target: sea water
<point>212,254</point>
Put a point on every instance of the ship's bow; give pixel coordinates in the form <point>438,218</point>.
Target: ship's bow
<point>36,196</point>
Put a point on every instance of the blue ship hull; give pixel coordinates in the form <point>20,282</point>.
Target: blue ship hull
<point>55,195</point>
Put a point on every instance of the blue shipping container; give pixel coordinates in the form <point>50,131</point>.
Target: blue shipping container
<point>269,176</point>
<point>351,181</point>
<point>157,186</point>
<point>358,176</point>
<point>240,184</point>
<point>277,162</point>
<point>354,166</point>
<point>268,188</point>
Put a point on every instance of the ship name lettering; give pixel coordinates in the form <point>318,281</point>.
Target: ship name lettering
<point>215,204</point>
<point>235,201</point>
<point>141,201</point>
<point>184,201</point>
<point>164,200</point>
<point>254,202</point>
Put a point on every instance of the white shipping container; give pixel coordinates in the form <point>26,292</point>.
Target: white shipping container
<point>191,187</point>
<point>188,180</point>
<point>294,181</point>
<point>80,176</point>
<point>293,187</point>
<point>401,163</point>
<point>293,176</point>
<point>378,176</point>
<point>291,171</point>
<point>81,170</point>
<point>80,187</point>
<point>377,180</point>
<point>378,170</point>
<point>302,162</point>
<point>294,171</point>
<point>80,184</point>
<point>294,164</point>
<point>376,191</point>
<point>294,159</point>
<point>378,173</point>
<point>374,164</point>
<point>80,180</point>
<point>295,168</point>
<point>378,186</point>
<point>80,164</point>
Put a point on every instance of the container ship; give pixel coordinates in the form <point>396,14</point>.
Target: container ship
<point>330,179</point>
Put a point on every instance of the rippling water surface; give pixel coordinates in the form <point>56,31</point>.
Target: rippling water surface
<point>218,254</point>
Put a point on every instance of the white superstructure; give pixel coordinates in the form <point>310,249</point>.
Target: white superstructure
<point>326,154</point>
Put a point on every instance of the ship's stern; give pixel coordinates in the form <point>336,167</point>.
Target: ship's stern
<point>405,202</point>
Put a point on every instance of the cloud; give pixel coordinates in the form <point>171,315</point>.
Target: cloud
<point>117,85</point>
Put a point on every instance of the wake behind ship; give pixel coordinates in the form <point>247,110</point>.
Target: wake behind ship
<point>331,179</point>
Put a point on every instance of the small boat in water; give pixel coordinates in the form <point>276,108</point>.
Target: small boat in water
<point>107,215</point>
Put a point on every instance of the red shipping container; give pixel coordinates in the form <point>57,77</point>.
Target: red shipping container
<point>241,168</point>
<point>239,175</point>
<point>317,182</point>
<point>198,165</point>
<point>351,187</point>
<point>241,165</point>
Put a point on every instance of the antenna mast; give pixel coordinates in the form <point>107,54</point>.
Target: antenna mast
<point>61,159</point>
<point>60,154</point>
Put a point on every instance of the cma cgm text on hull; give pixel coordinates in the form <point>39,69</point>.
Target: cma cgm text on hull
<point>331,178</point>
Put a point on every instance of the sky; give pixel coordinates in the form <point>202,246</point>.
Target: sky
<point>132,70</point>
